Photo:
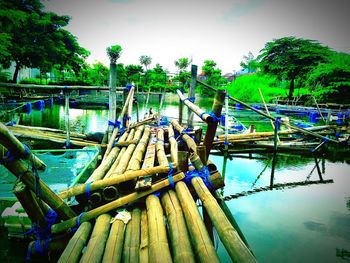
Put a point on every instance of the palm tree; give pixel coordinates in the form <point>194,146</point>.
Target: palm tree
<point>145,61</point>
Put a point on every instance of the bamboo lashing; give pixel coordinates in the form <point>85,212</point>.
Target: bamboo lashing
<point>234,245</point>
<point>271,117</point>
<point>132,238</point>
<point>96,245</point>
<point>206,117</point>
<point>158,243</point>
<point>65,225</point>
<point>73,250</point>
<point>98,184</point>
<point>179,237</point>
<point>17,149</point>
<point>20,170</point>
<point>120,118</point>
<point>189,141</point>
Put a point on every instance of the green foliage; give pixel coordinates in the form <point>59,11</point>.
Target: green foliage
<point>331,81</point>
<point>96,75</point>
<point>145,61</point>
<point>249,63</point>
<point>182,63</point>
<point>290,58</point>
<point>246,88</point>
<point>114,53</point>
<point>37,38</point>
<point>31,81</point>
<point>213,74</point>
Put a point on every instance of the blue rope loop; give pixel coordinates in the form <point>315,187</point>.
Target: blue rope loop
<point>170,176</point>
<point>8,158</point>
<point>79,218</point>
<point>26,151</point>
<point>115,124</point>
<point>191,99</point>
<point>212,114</point>
<point>88,190</point>
<point>204,174</point>
<point>277,123</point>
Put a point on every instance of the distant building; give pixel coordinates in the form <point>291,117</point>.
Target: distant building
<point>23,73</point>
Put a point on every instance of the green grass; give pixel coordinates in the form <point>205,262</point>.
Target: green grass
<point>246,88</point>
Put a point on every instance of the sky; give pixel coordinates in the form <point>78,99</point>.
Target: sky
<point>219,30</point>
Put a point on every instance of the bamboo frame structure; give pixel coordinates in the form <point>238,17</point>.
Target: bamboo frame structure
<point>65,225</point>
<point>132,238</point>
<point>144,237</point>
<point>173,144</point>
<point>189,141</point>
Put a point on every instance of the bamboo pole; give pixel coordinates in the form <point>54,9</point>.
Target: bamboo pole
<point>66,118</point>
<point>120,118</point>
<point>234,245</point>
<point>143,122</point>
<point>96,245</point>
<point>136,159</point>
<point>17,148</point>
<point>268,113</point>
<point>173,145</point>
<point>179,237</point>
<point>218,102</point>
<point>112,97</point>
<point>144,238</point>
<point>189,141</point>
<point>57,228</point>
<point>191,94</point>
<point>129,137</point>
<point>30,204</point>
<point>73,250</point>
<point>202,245</point>
<point>273,118</point>
<point>132,238</point>
<point>129,112</point>
<point>161,157</point>
<point>193,107</point>
<point>145,182</point>
<point>20,170</point>
<point>158,242</point>
<point>98,184</point>
<point>115,242</point>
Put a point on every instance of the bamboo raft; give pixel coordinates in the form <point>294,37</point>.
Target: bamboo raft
<point>139,204</point>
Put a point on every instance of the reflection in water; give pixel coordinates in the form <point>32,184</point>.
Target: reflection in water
<point>315,226</point>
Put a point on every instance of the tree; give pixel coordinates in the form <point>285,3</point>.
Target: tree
<point>145,61</point>
<point>133,72</point>
<point>114,53</point>
<point>182,63</point>
<point>37,38</point>
<point>331,81</point>
<point>290,58</point>
<point>96,75</point>
<point>213,74</point>
<point>249,63</point>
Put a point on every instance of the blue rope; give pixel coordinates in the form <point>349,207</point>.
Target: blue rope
<point>26,151</point>
<point>212,114</point>
<point>170,175</point>
<point>277,123</point>
<point>8,158</point>
<point>79,218</point>
<point>204,174</point>
<point>87,188</point>
<point>192,99</point>
<point>114,124</point>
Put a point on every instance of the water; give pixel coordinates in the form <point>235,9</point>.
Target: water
<point>295,224</point>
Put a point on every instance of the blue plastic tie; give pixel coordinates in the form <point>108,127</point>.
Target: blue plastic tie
<point>192,99</point>
<point>204,174</point>
<point>79,218</point>
<point>26,151</point>
<point>277,123</point>
<point>170,175</point>
<point>88,193</point>
<point>114,124</point>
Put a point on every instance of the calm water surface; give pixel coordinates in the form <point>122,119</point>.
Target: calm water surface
<point>295,224</point>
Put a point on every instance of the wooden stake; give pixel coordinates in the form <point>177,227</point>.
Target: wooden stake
<point>158,242</point>
<point>179,237</point>
<point>216,109</point>
<point>191,94</point>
